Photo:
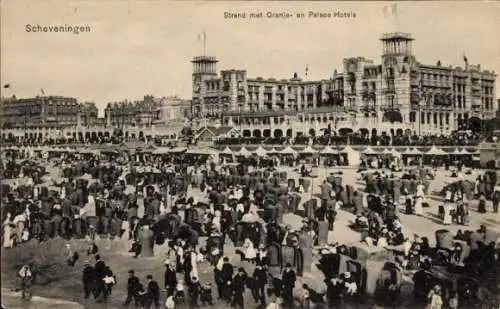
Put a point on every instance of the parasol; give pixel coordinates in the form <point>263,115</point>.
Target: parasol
<point>295,221</point>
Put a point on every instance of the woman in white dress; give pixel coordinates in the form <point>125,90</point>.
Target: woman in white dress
<point>8,239</point>
<point>418,206</point>
<point>250,253</point>
<point>420,190</point>
<point>447,214</point>
<point>194,264</point>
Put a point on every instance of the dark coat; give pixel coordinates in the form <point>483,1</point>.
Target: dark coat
<point>260,277</point>
<point>170,277</point>
<point>289,278</point>
<point>238,284</point>
<point>133,285</point>
<point>153,290</point>
<point>227,272</point>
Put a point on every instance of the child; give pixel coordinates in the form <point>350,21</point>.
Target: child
<point>25,235</point>
<point>142,296</point>
<point>453,301</point>
<point>169,302</point>
<point>179,292</point>
<point>206,294</point>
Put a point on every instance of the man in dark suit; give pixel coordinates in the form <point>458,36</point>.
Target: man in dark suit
<point>288,279</point>
<point>226,277</point>
<point>259,284</point>
<point>194,289</point>
<point>133,286</point>
<point>100,273</point>
<point>170,279</point>
<point>238,288</point>
<point>88,280</point>
<point>153,293</point>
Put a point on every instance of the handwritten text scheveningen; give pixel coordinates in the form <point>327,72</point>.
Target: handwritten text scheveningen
<point>288,15</point>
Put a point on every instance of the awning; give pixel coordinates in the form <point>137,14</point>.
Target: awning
<point>260,151</point>
<point>436,152</point>
<point>88,151</point>
<point>328,151</point>
<point>227,151</point>
<point>288,151</point>
<point>177,150</point>
<point>369,151</point>
<point>308,150</point>
<point>202,151</point>
<point>244,152</point>
<point>395,153</point>
<point>161,150</point>
<point>413,151</point>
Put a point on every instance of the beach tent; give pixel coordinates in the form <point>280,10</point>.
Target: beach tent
<point>308,150</point>
<point>436,152</point>
<point>243,152</point>
<point>177,150</point>
<point>161,150</point>
<point>288,151</point>
<point>202,151</point>
<point>353,156</point>
<point>226,151</point>
<point>369,151</point>
<point>395,153</point>
<point>328,151</point>
<point>260,151</point>
<point>413,151</point>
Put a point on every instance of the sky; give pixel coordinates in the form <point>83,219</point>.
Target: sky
<point>138,47</point>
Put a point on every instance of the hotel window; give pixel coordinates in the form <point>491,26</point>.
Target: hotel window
<point>413,117</point>
<point>422,117</point>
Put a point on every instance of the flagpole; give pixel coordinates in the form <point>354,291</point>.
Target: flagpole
<point>204,43</point>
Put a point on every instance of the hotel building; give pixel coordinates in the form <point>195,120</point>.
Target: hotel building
<point>398,96</point>
<point>55,117</point>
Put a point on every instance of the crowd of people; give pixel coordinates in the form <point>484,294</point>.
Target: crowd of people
<point>167,204</point>
<point>361,139</point>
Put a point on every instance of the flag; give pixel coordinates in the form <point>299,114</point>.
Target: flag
<point>6,86</point>
<point>43,92</point>
<point>465,60</point>
<point>393,10</point>
<point>202,36</point>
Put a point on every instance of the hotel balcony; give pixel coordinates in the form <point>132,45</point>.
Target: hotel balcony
<point>388,107</point>
<point>476,86</point>
<point>368,107</point>
<point>414,82</point>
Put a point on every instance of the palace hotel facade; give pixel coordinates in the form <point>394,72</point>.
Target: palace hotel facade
<point>397,96</point>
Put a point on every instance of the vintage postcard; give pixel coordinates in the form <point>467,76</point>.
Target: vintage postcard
<point>249,154</point>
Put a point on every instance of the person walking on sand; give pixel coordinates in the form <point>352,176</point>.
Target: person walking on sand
<point>26,276</point>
